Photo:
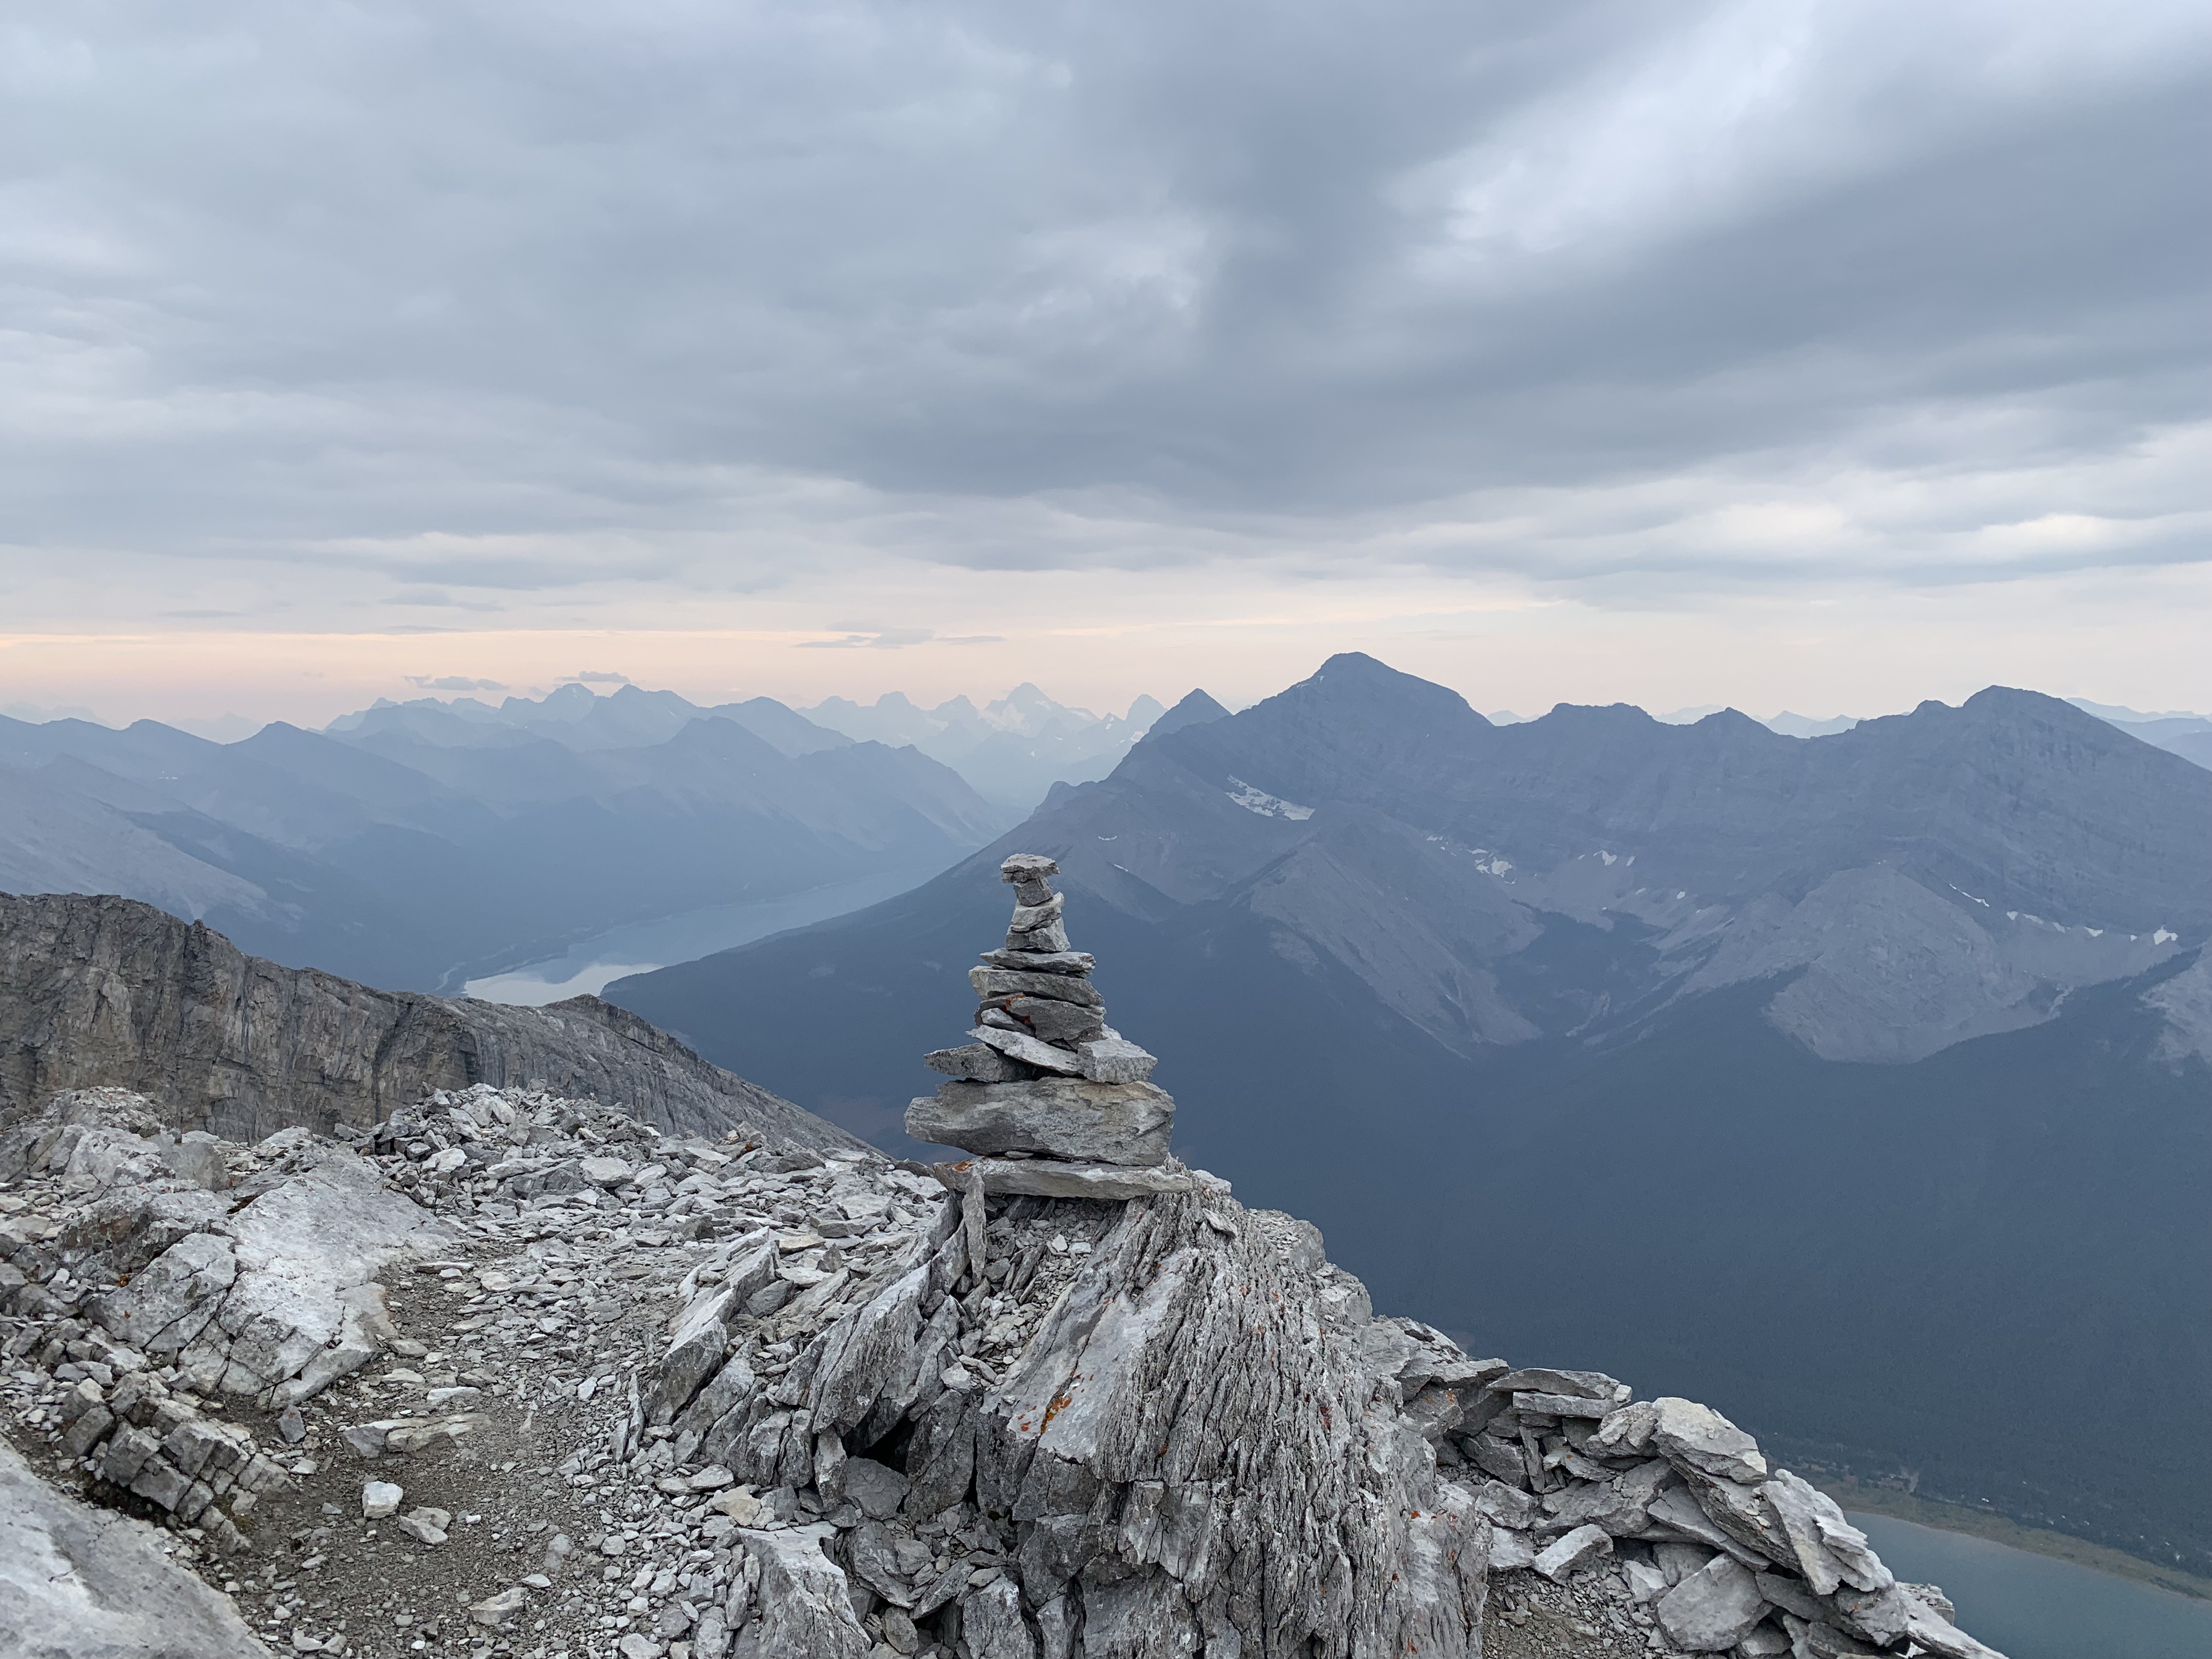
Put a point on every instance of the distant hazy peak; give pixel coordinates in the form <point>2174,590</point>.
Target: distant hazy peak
<point>2122,715</point>
<point>571,702</point>
<point>1803,726</point>
<point>1195,709</point>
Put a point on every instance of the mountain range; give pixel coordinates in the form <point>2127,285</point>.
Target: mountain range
<point>414,846</point>
<point>1010,750</point>
<point>1857,1084</point>
<point>1013,750</point>
<point>2189,736</point>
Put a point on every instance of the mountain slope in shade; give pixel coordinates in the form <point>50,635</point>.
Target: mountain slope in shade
<point>1597,979</point>
<point>102,992</point>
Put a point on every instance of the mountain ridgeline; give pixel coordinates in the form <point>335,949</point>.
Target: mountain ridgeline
<point>1858,1084</point>
<point>431,842</point>
<point>413,847</point>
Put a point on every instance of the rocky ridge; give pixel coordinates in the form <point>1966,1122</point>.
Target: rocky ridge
<point>511,1374</point>
<point>108,991</point>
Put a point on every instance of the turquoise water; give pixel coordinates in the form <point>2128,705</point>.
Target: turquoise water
<point>641,946</point>
<point>2033,1606</point>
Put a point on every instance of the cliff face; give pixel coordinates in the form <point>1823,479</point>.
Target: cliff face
<point>103,991</point>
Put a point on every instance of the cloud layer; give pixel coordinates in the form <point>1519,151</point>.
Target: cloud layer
<point>416,318</point>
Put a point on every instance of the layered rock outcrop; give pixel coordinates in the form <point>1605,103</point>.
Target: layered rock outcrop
<point>107,991</point>
<point>766,1402</point>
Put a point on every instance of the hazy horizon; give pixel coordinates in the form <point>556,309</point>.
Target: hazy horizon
<point>229,727</point>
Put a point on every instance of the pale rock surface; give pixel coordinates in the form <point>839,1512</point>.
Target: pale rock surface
<point>1572,1551</point>
<point>1698,1437</point>
<point>1030,1050</point>
<point>80,1582</point>
<point>1115,1059</point>
<point>1712,1609</point>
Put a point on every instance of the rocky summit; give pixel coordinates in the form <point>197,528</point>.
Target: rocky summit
<point>511,1374</point>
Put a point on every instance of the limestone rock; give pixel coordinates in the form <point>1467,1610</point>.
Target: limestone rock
<point>877,1490</point>
<point>1743,1513</point>
<point>1797,1507</point>
<point>496,1610</point>
<point>1572,1551</point>
<point>1830,1538</point>
<point>1048,939</point>
<point>803,1605</point>
<point>1007,1421</point>
<point>79,1582</point>
<point>1027,918</point>
<point>1024,978</point>
<point>196,1157</point>
<point>1019,1045</point>
<point>1113,1059</point>
<point>1712,1609</point>
<point>1574,1385</point>
<point>1043,963</point>
<point>992,1625</point>
<point>1068,1023</point>
<point>379,1498</point>
<point>607,1173</point>
<point>1091,1122</point>
<point>1698,1438</point>
<point>977,1061</point>
<point>1053,1178</point>
<point>1680,1512</point>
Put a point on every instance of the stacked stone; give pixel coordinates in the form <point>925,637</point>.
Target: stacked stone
<point>1054,1100</point>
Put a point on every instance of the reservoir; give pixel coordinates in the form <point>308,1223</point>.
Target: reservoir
<point>2037,1606</point>
<point>640,947</point>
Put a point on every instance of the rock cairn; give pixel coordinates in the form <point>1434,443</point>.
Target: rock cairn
<point>1054,1101</point>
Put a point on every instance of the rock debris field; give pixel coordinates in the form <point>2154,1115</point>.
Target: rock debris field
<point>518,1374</point>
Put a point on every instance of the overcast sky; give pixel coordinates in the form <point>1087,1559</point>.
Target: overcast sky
<point>1820,355</point>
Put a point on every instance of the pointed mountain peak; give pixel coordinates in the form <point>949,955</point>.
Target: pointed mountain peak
<point>1196,709</point>
<point>1354,679</point>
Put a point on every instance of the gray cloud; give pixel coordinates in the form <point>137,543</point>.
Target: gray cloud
<point>500,298</point>
<point>452,683</point>
<point>595,677</point>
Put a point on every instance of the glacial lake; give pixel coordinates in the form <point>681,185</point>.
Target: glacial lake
<point>2036,1607</point>
<point>639,948</point>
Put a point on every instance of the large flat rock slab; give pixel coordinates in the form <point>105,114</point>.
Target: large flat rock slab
<point>1126,1123</point>
<point>80,1582</point>
<point>1050,1178</point>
